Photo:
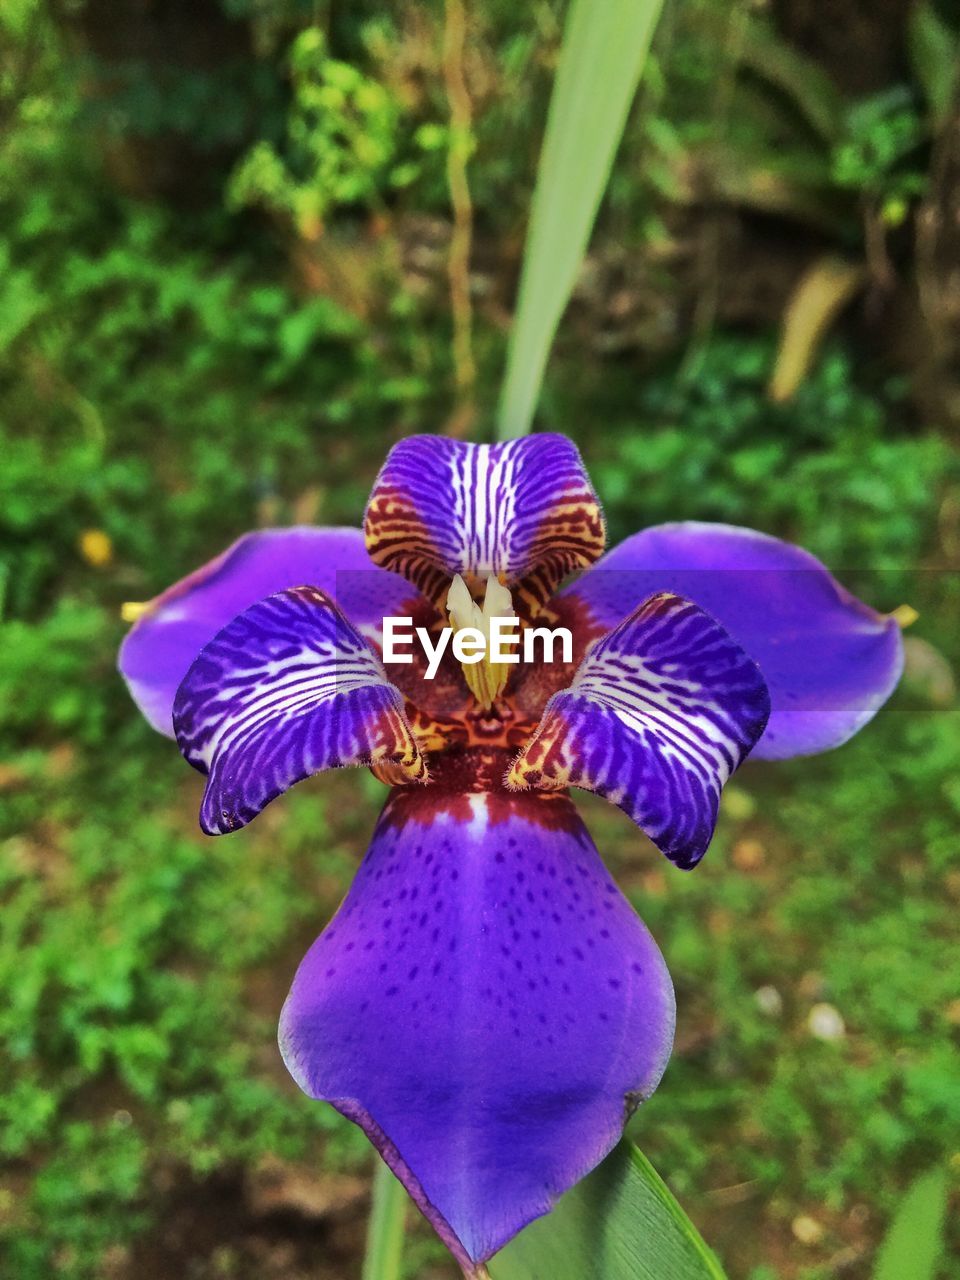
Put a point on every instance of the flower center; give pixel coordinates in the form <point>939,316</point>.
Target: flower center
<point>485,679</point>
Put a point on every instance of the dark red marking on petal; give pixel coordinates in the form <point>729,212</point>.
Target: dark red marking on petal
<point>523,510</point>
<point>465,782</point>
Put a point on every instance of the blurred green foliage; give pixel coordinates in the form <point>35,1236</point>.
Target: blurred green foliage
<point>829,469</point>
<point>881,132</point>
<point>343,138</point>
<point>175,369</point>
<point>789,140</point>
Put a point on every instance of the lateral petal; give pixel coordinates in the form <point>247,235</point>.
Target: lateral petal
<point>160,646</point>
<point>660,713</point>
<point>287,689</point>
<point>830,661</point>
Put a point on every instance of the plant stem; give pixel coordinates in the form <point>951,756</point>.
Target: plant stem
<point>385,1229</point>
<point>460,147</point>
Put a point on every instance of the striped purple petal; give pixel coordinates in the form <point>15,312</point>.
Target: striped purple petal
<point>285,690</point>
<point>485,1004</point>
<point>829,660</point>
<point>523,510</point>
<point>660,713</point>
<point>160,647</point>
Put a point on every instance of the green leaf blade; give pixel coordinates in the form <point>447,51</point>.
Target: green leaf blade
<point>620,1223</point>
<point>933,49</point>
<point>604,50</point>
<point>914,1242</point>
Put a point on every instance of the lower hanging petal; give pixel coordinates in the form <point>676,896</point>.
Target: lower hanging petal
<point>176,625</point>
<point>486,1005</point>
<point>660,713</point>
<point>829,660</point>
<point>287,689</point>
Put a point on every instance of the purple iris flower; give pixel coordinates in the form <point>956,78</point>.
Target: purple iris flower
<point>485,1004</point>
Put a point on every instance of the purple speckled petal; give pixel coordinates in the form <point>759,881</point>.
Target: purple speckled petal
<point>285,690</point>
<point>486,1004</point>
<point>523,510</point>
<point>660,713</point>
<point>829,660</point>
<point>160,647</point>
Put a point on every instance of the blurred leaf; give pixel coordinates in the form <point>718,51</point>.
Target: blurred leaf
<point>934,53</point>
<point>803,80</point>
<point>16,16</point>
<point>914,1240</point>
<point>824,290</point>
<point>620,1223</point>
<point>882,131</point>
<point>604,50</point>
<point>789,181</point>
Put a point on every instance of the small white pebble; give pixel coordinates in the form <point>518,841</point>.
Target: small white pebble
<point>806,1229</point>
<point>826,1023</point>
<point>769,1001</point>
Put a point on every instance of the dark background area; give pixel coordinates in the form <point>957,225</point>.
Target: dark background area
<point>224,292</point>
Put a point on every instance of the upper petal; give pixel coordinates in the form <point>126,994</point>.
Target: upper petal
<point>829,660</point>
<point>486,1004</point>
<point>285,690</point>
<point>659,715</point>
<point>159,648</point>
<point>523,510</point>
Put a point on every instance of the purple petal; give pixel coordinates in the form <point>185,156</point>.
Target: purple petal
<point>523,510</point>
<point>485,1004</point>
<point>287,689</point>
<point>660,713</point>
<point>829,660</point>
<point>158,650</point>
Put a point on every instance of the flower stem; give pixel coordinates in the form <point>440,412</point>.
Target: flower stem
<point>385,1228</point>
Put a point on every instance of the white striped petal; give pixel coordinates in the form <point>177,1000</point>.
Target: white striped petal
<point>659,715</point>
<point>522,511</point>
<point>287,689</point>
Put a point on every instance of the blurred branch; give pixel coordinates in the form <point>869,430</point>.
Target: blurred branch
<point>458,153</point>
<point>771,184</point>
<point>708,266</point>
<point>938,270</point>
<point>20,56</point>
